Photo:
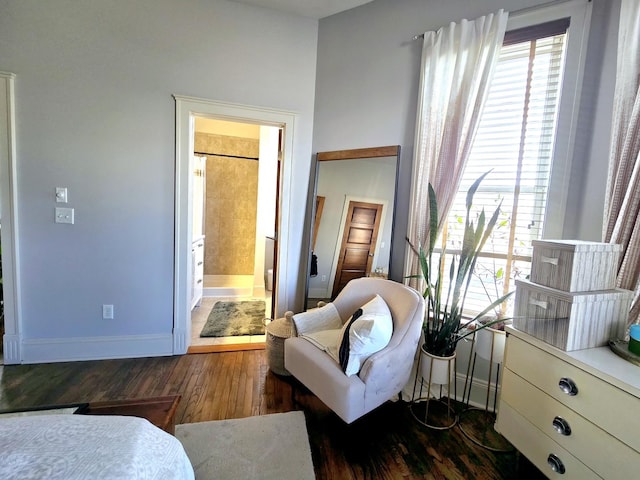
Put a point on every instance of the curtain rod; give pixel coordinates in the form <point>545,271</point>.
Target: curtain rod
<point>519,12</point>
<point>228,156</point>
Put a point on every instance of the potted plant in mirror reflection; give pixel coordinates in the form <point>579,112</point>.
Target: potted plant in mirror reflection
<point>447,278</point>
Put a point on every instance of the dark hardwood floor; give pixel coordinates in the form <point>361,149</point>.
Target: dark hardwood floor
<point>385,444</point>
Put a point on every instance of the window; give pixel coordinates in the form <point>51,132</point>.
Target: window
<point>515,140</point>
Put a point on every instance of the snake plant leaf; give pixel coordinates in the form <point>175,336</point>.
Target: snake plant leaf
<point>480,230</point>
<point>490,225</point>
<point>443,326</point>
<point>472,189</point>
<point>433,219</point>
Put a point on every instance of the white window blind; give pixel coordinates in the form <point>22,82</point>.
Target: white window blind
<point>515,141</point>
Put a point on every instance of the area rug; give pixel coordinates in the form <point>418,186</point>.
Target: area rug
<point>229,319</point>
<point>265,447</point>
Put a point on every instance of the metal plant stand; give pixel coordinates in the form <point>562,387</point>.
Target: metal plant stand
<point>477,423</point>
<point>437,414</point>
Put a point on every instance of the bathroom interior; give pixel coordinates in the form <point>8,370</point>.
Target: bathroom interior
<point>234,188</point>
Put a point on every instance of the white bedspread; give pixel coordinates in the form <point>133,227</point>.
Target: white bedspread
<point>89,447</point>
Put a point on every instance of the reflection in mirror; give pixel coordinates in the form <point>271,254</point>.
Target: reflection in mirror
<point>353,218</point>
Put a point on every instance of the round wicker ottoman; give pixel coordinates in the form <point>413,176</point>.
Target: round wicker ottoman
<point>277,332</point>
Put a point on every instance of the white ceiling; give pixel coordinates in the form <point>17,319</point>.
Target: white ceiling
<point>308,8</point>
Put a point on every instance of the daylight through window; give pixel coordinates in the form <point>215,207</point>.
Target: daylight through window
<point>515,141</point>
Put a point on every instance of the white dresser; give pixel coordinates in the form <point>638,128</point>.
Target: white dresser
<point>573,414</point>
<point>197,271</point>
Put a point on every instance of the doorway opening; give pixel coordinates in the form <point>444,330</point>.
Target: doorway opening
<point>235,178</point>
<point>187,110</point>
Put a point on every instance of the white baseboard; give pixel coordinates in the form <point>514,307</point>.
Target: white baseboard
<point>227,292</point>
<point>46,350</point>
<point>11,349</point>
<point>477,398</point>
<point>318,293</point>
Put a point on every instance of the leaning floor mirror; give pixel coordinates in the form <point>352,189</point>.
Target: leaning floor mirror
<point>353,205</point>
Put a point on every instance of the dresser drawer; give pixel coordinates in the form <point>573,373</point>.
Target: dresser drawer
<point>198,251</point>
<point>593,398</point>
<point>197,277</point>
<point>537,446</point>
<point>604,454</point>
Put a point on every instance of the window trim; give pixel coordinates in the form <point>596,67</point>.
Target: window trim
<point>579,14</point>
<point>572,17</point>
<point>540,30</point>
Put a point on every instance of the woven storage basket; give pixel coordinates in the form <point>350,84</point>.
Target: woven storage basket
<point>571,321</point>
<point>574,265</point>
<point>277,332</point>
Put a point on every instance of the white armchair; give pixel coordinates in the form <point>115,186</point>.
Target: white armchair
<point>384,374</point>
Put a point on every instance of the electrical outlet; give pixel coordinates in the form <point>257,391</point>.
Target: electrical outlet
<point>64,215</point>
<point>324,278</point>
<point>107,312</point>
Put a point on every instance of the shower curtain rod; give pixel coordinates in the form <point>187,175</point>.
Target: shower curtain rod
<point>228,156</point>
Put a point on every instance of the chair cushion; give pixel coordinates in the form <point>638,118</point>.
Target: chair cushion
<point>325,340</point>
<point>367,331</point>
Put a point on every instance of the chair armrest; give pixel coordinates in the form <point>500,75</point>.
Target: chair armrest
<point>390,368</point>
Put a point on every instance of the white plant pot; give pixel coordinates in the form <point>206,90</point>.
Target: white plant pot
<point>437,369</point>
<point>486,337</point>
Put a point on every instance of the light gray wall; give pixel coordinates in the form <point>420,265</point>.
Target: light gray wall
<point>95,114</point>
<point>367,82</point>
<point>590,169</point>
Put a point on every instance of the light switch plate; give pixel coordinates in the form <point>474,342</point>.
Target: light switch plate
<point>62,195</point>
<point>107,312</point>
<point>64,215</point>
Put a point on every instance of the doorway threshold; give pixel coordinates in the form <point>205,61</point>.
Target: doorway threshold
<point>228,347</point>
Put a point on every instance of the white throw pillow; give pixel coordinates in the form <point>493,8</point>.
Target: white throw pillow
<point>317,319</point>
<point>367,331</point>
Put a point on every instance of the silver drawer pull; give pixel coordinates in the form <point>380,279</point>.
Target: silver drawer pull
<point>538,303</point>
<point>556,464</point>
<point>551,260</point>
<point>561,426</point>
<point>568,386</point>
<point>199,280</point>
<point>199,263</point>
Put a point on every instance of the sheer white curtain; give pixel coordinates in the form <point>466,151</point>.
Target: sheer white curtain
<point>457,66</point>
<point>622,208</point>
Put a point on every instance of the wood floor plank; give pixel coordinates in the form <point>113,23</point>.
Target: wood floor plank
<point>386,444</point>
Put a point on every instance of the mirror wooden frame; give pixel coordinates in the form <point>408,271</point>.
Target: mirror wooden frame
<point>315,202</point>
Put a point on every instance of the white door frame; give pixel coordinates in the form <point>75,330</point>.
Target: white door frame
<point>12,340</point>
<point>186,109</point>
